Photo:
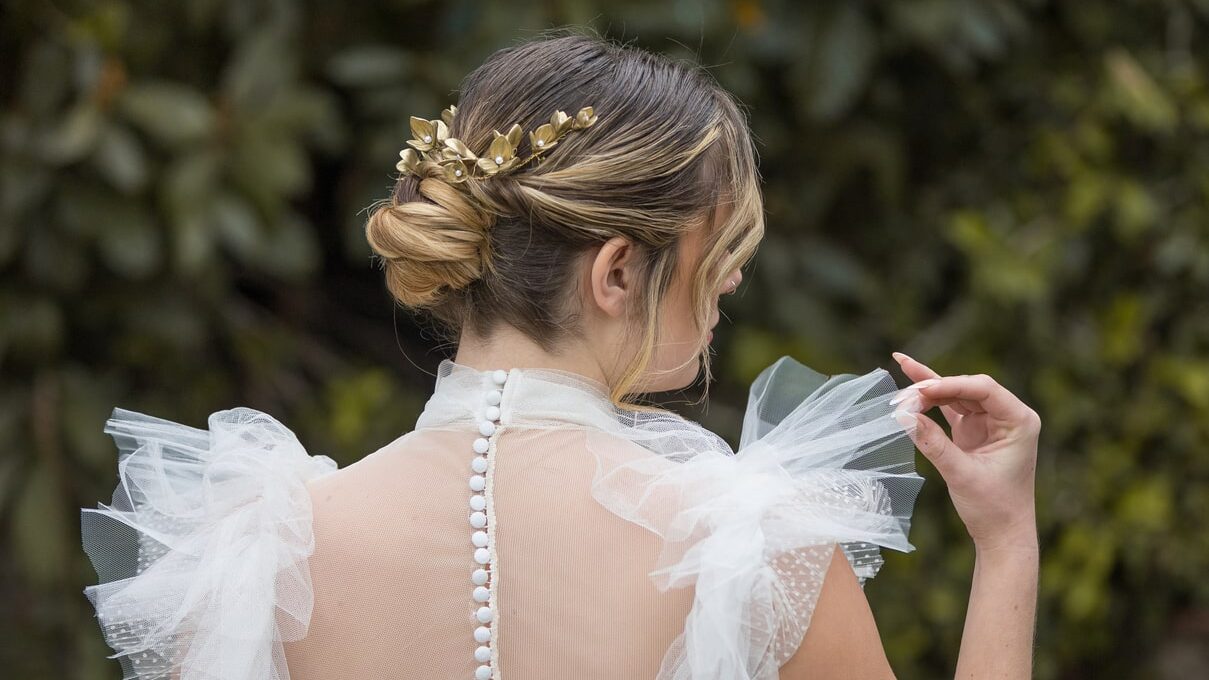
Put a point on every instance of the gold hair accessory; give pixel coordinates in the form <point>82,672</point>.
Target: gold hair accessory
<point>433,152</point>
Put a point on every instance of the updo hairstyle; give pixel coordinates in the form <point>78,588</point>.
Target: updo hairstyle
<point>668,147</point>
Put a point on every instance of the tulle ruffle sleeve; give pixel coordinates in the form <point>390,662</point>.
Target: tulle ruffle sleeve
<point>821,462</point>
<point>202,555</point>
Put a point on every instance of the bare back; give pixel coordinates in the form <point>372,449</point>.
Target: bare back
<point>392,564</point>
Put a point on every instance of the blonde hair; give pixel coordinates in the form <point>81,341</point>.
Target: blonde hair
<point>669,147</point>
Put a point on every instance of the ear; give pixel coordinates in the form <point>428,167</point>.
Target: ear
<point>611,279</point>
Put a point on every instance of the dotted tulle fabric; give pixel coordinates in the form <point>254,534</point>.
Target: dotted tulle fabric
<point>622,544</point>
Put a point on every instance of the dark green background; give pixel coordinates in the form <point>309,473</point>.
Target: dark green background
<point>1019,188</point>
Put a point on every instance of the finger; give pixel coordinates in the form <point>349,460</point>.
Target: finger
<point>976,391</point>
<point>914,369</point>
<point>917,370</point>
<point>963,406</point>
<point>936,446</point>
<point>911,399</point>
<point>957,408</point>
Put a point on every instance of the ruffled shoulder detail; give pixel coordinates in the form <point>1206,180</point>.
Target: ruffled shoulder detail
<point>202,555</point>
<point>821,462</point>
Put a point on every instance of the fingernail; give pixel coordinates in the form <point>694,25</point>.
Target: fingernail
<point>907,392</point>
<point>905,419</point>
<point>923,383</point>
<point>899,356</point>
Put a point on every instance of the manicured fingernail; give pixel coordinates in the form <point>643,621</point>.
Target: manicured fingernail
<point>899,356</point>
<point>923,383</point>
<point>904,418</point>
<point>903,395</point>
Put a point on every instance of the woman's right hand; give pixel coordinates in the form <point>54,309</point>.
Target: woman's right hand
<point>990,463</point>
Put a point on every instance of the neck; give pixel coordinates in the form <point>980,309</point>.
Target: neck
<point>509,348</point>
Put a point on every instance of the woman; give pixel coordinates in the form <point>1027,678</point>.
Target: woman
<point>537,524</point>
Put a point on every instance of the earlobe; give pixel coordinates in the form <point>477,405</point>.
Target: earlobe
<point>610,277</point>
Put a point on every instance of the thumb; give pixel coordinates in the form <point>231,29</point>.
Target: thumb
<point>936,446</point>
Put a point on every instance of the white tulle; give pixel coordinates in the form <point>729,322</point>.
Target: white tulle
<point>821,461</point>
<point>203,553</point>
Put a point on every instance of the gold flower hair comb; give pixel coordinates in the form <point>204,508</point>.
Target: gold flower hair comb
<point>433,151</point>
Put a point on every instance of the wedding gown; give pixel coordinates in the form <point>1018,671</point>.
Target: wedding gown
<point>527,528</point>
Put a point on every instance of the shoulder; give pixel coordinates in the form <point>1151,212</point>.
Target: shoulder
<point>842,640</point>
<point>384,470</point>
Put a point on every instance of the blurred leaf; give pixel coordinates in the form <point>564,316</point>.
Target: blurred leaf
<point>74,136</point>
<point>32,327</point>
<point>1137,95</point>
<point>191,181</point>
<point>1125,326</point>
<point>845,56</point>
<point>130,241</point>
<point>40,530</point>
<point>120,159</point>
<point>269,168</point>
<point>262,68</point>
<point>1189,376</point>
<point>313,114</point>
<point>171,114</point>
<point>1146,505</point>
<point>55,261</point>
<point>88,400</point>
<point>1007,266</point>
<point>1086,198</point>
<point>289,249</point>
<point>46,80</point>
<point>368,65</point>
<point>193,247</point>
<point>1136,209</point>
<point>237,226</point>
<point>106,23</point>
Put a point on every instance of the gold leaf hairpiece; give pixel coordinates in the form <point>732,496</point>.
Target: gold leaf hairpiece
<point>432,152</point>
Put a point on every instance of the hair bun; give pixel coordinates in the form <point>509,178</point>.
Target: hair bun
<point>429,247</point>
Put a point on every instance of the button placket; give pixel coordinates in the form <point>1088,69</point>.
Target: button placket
<point>482,577</point>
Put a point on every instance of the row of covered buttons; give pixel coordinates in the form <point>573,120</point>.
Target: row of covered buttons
<point>478,522</point>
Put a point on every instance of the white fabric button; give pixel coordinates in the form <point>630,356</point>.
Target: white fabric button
<point>500,377</point>
<point>484,614</point>
<point>479,577</point>
<point>478,520</point>
<point>482,673</point>
<point>482,634</point>
<point>479,538</point>
<point>479,464</point>
<point>481,445</point>
<point>493,413</point>
<point>494,397</point>
<point>486,428</point>
<point>482,556</point>
<point>478,483</point>
<point>481,594</point>
<point>482,654</point>
<point>478,502</point>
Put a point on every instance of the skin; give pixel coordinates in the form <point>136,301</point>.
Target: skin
<point>988,465</point>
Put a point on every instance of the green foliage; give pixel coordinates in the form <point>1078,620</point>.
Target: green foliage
<point>1013,187</point>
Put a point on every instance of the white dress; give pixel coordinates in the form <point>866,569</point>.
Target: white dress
<point>527,528</point>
